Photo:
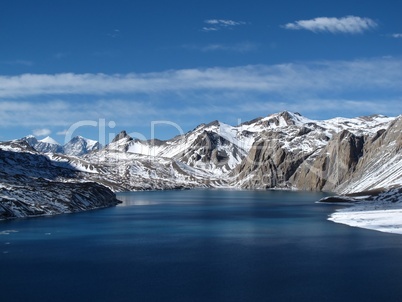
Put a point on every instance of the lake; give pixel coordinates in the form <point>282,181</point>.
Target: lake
<point>199,245</point>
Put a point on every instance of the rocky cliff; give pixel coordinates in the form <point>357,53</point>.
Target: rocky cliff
<point>339,155</point>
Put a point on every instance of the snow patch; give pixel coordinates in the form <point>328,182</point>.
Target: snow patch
<point>49,140</point>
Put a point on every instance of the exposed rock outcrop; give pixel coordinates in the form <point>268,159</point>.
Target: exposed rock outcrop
<point>334,165</point>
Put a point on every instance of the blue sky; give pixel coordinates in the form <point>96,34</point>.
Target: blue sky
<point>77,65</point>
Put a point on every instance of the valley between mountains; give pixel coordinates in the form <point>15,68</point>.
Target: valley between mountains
<point>280,151</point>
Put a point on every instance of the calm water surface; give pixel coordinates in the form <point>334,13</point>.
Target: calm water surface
<point>201,245</point>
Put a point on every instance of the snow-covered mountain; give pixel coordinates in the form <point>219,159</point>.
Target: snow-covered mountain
<point>282,150</point>
<point>77,146</point>
<point>46,145</point>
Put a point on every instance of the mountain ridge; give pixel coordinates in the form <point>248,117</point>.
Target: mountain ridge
<point>77,146</point>
<point>280,151</point>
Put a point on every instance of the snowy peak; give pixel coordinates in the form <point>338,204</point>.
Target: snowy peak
<point>49,140</point>
<point>30,139</point>
<point>47,145</point>
<point>79,145</point>
<point>285,119</point>
<point>122,135</point>
<point>121,142</point>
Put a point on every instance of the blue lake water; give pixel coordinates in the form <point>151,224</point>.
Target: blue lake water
<point>199,245</point>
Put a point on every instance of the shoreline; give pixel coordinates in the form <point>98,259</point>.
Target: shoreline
<point>382,212</point>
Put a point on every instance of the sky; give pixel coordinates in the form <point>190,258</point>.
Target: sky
<point>158,68</point>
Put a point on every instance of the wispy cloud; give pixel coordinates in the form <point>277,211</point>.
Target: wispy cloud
<point>314,76</point>
<point>219,24</point>
<point>129,114</point>
<point>42,132</point>
<point>242,47</point>
<point>63,132</point>
<point>349,25</point>
<point>396,36</point>
<point>358,87</point>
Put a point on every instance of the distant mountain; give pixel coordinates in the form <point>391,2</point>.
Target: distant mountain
<point>46,145</point>
<point>77,146</point>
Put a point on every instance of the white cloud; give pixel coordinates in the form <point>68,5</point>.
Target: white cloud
<point>219,24</point>
<point>367,75</point>
<point>397,36</point>
<point>136,114</point>
<point>191,95</point>
<point>63,132</point>
<point>42,132</point>
<point>349,24</point>
<point>209,28</point>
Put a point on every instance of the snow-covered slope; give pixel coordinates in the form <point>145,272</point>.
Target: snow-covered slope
<point>381,212</point>
<point>33,185</point>
<point>49,140</point>
<point>124,170</point>
<point>380,165</point>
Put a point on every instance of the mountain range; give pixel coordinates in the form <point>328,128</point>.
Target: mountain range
<point>281,151</point>
<point>77,146</point>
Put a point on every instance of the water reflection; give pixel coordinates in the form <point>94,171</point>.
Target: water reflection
<point>130,199</point>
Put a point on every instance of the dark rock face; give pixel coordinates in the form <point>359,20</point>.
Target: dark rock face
<point>334,165</point>
<point>209,147</point>
<point>270,164</point>
<point>121,135</point>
